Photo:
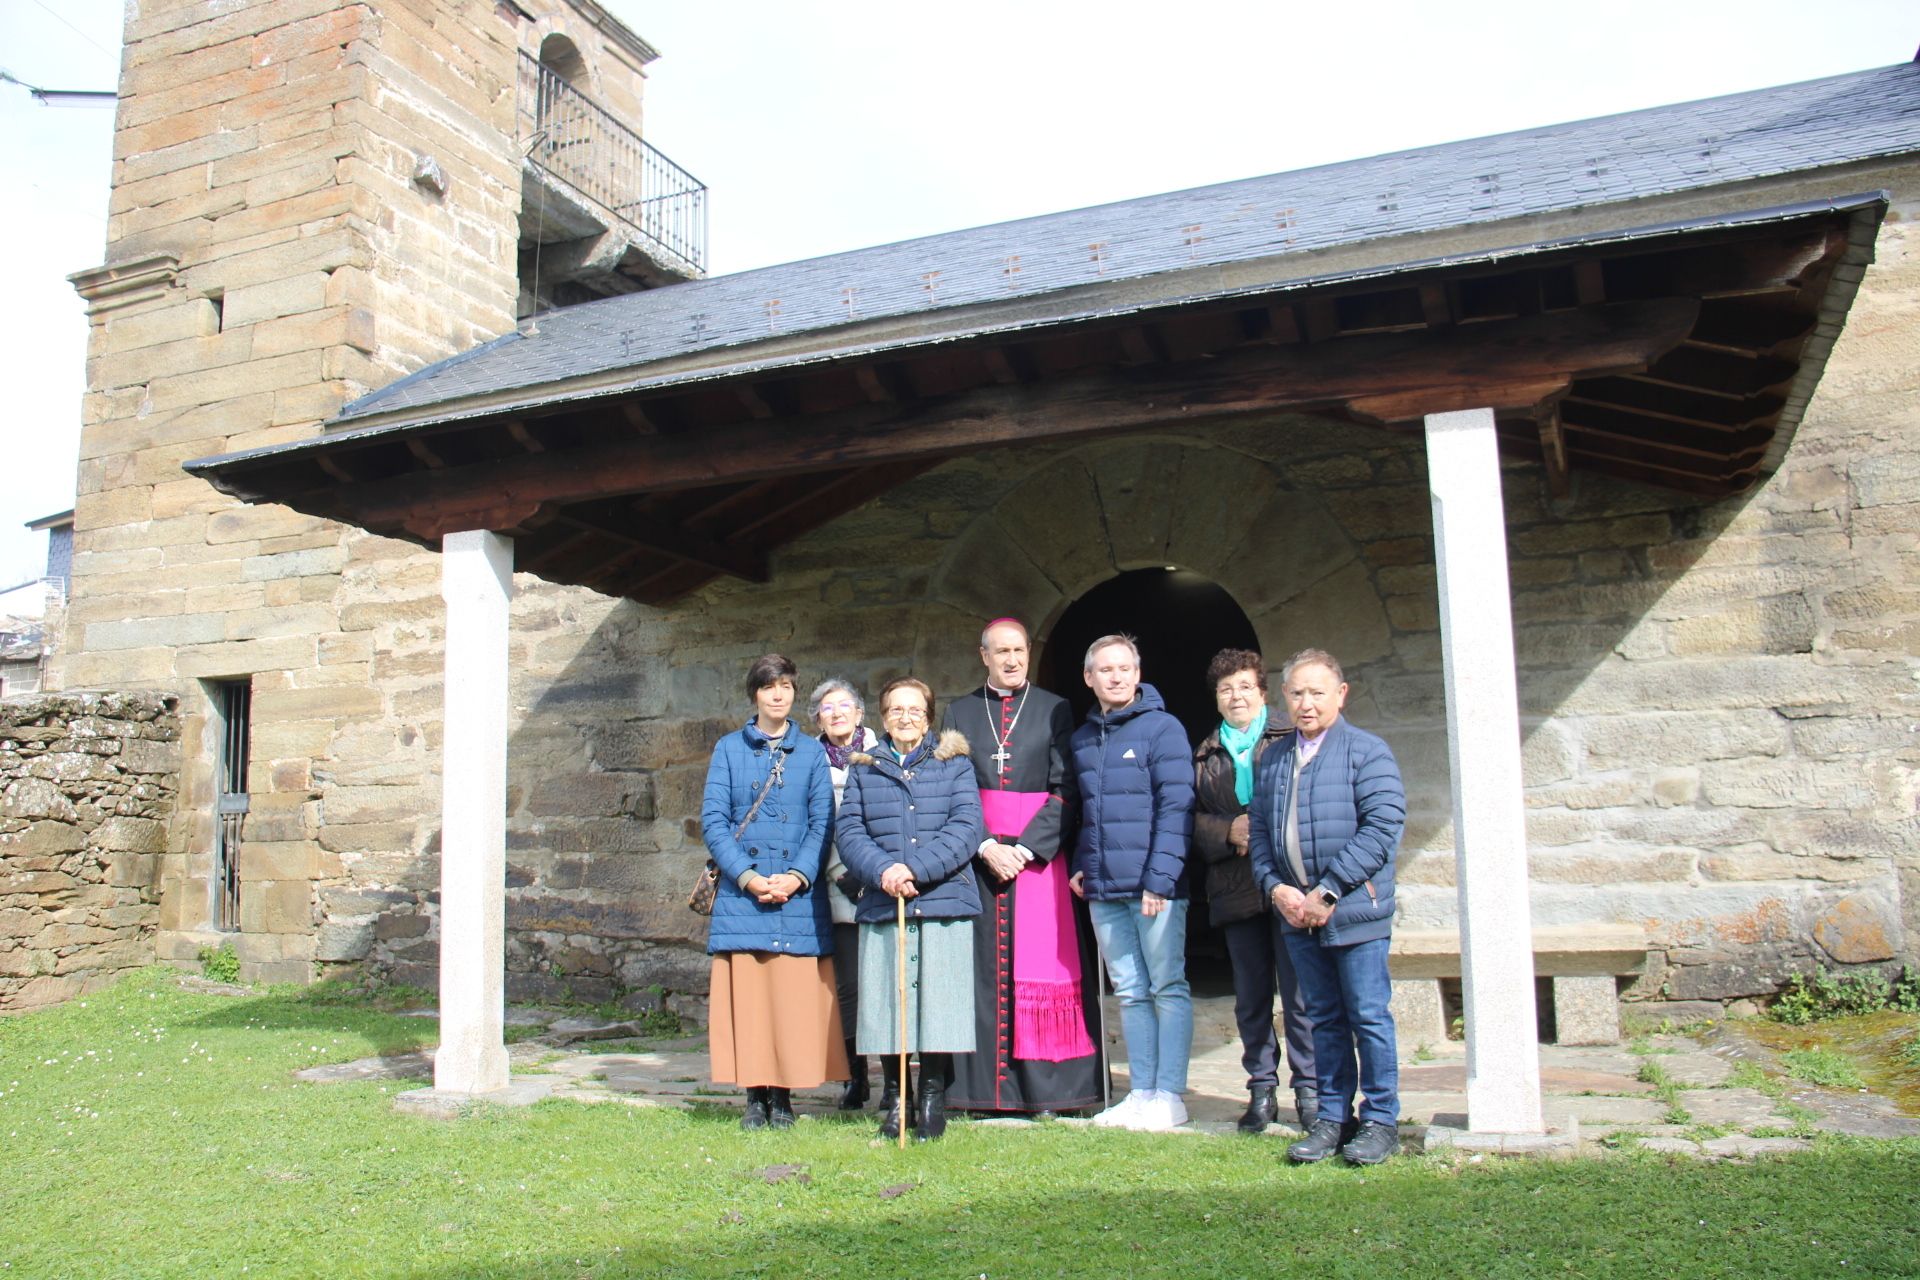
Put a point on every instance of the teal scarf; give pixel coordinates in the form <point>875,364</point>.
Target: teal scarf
<point>1240,744</point>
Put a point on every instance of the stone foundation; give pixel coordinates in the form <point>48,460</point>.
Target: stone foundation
<point>87,785</point>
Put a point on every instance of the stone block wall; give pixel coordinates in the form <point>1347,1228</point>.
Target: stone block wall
<point>269,257</point>
<point>87,786</point>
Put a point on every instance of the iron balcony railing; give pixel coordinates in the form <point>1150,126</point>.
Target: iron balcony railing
<point>579,141</point>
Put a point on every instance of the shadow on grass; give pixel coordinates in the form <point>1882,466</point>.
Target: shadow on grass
<point>315,1010</point>
<point>1617,1217</point>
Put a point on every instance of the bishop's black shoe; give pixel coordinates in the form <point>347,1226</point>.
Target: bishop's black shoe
<point>1261,1110</point>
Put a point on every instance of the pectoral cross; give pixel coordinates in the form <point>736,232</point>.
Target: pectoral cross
<point>1001,757</point>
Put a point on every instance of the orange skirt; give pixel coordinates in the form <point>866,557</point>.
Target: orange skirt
<point>773,1020</point>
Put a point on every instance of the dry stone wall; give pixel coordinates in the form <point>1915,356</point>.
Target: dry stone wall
<point>87,786</point>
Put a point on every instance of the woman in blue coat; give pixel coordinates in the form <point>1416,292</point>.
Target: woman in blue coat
<point>773,1022</point>
<point>908,827</point>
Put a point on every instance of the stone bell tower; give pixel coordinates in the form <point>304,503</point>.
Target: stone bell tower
<point>311,199</point>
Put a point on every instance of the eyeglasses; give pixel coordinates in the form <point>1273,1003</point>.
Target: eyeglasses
<point>905,713</point>
<point>833,708</point>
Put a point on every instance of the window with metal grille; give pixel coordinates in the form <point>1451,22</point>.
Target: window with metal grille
<point>233,707</point>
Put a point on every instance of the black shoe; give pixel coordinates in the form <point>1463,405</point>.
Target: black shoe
<point>1322,1140</point>
<point>855,1095</point>
<point>1374,1143</point>
<point>1306,1105</point>
<point>780,1109</point>
<point>932,1109</point>
<point>755,1116</point>
<point>896,1115</point>
<point>1261,1110</point>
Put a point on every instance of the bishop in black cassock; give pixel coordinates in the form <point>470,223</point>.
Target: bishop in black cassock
<point>1036,994</point>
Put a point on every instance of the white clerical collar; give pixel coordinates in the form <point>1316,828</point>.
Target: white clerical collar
<point>998,692</point>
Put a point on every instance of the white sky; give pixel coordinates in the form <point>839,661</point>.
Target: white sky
<point>823,125</point>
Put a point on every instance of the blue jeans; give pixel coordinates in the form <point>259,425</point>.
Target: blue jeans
<point>1147,961</point>
<point>1348,991</point>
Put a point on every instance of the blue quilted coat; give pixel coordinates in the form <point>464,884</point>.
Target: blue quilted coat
<point>1351,812</point>
<point>1134,772</point>
<point>788,834</point>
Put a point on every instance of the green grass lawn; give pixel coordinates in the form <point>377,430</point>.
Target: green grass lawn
<point>148,1131</point>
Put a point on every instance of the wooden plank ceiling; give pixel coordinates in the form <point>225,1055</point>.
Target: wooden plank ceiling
<point>1663,361</point>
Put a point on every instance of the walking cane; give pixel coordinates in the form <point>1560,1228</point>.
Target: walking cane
<point>900,973</point>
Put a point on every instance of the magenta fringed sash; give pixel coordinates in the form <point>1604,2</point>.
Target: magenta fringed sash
<point>1049,1024</point>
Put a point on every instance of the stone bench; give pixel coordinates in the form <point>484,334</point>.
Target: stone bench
<point>1582,961</point>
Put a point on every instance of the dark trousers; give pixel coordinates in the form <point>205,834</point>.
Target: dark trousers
<point>1349,996</point>
<point>846,978</point>
<point>1263,968</point>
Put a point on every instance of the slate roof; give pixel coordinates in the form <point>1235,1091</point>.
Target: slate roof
<point>1639,154</point>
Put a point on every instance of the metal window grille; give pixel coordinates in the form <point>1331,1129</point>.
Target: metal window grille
<point>234,700</point>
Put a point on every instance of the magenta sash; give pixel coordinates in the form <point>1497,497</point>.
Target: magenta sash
<point>1049,1022</point>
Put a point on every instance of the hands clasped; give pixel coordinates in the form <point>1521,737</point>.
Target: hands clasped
<point>772,891</point>
<point>897,881</point>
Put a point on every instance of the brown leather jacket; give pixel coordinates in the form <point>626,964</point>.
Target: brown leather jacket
<point>1231,892</point>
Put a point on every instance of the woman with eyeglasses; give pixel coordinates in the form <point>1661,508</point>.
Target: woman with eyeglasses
<point>1223,768</point>
<point>838,712</point>
<point>773,1022</point>
<point>907,830</point>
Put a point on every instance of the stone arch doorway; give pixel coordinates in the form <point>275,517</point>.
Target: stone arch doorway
<point>1180,619</point>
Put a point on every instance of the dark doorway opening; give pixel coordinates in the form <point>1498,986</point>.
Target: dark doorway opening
<point>1180,620</point>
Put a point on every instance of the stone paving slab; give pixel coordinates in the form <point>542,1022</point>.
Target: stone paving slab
<point>1589,1094</point>
<point>1727,1106</point>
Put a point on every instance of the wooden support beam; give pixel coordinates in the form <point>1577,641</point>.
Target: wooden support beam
<point>1436,305</point>
<point>639,418</point>
<point>756,404</point>
<point>1589,282</point>
<point>1553,450</point>
<point>648,534</point>
<point>419,448</point>
<point>1529,356</point>
<point>525,438</point>
<point>335,466</point>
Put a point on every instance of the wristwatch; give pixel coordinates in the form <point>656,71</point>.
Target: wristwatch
<point>1329,897</point>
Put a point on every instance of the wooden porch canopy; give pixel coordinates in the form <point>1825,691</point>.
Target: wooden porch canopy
<point>1677,355</point>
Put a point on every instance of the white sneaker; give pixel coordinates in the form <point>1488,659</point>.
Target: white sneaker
<point>1124,1113</point>
<point>1162,1112</point>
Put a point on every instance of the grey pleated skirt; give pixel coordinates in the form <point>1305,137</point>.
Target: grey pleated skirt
<point>939,988</point>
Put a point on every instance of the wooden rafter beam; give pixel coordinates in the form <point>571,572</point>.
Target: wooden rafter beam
<point>645,533</point>
<point>1495,363</point>
<point>1553,449</point>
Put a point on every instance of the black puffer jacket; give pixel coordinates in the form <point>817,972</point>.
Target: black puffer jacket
<point>1231,893</point>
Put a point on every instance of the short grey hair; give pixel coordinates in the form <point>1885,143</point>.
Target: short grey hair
<point>1107,642</point>
<point>1312,658</point>
<point>997,623</point>
<point>827,686</point>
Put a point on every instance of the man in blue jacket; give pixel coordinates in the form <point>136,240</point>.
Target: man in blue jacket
<point>1132,765</point>
<point>1328,808</point>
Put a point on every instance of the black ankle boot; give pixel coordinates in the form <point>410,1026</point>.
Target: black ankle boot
<point>893,1096</point>
<point>758,1100</point>
<point>855,1095</point>
<point>931,1110</point>
<point>1306,1105</point>
<point>1261,1110</point>
<point>780,1108</point>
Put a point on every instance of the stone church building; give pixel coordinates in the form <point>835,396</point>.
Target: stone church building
<point>380,278</point>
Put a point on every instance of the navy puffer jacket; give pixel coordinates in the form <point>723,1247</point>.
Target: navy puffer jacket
<point>788,834</point>
<point>924,812</point>
<point>1133,769</point>
<point>1352,810</point>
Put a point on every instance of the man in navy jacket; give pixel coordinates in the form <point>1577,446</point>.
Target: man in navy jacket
<point>1132,765</point>
<point>1328,809</point>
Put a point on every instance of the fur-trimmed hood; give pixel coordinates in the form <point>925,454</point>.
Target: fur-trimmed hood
<point>951,743</point>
